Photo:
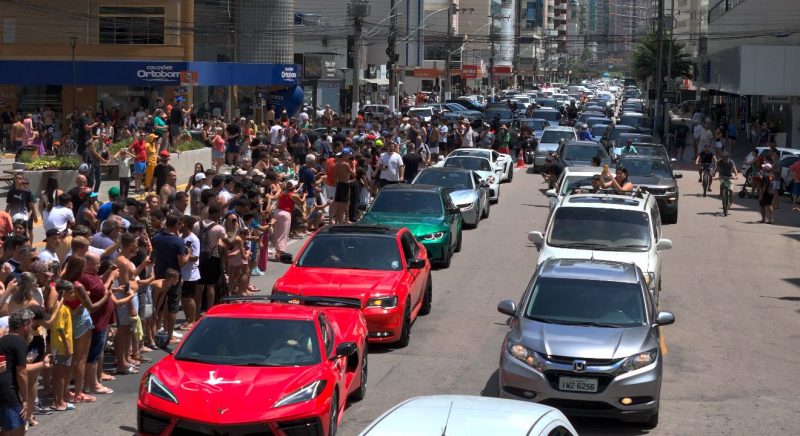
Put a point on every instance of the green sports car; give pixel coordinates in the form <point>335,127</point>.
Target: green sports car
<point>427,211</point>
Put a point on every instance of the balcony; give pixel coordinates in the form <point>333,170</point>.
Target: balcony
<point>721,8</point>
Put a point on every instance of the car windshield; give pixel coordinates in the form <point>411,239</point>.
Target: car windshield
<point>648,150</point>
<point>373,252</point>
<point>618,130</point>
<point>452,180</point>
<point>547,115</point>
<point>593,121</point>
<point>468,162</point>
<point>599,129</point>
<point>455,107</point>
<point>635,121</point>
<point>536,125</point>
<point>546,102</point>
<point>552,136</point>
<point>581,152</point>
<point>402,201</point>
<point>573,182</point>
<point>646,168</point>
<point>251,342</point>
<point>505,115</point>
<point>602,303</point>
<point>597,228</point>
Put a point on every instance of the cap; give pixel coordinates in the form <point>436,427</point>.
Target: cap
<point>113,192</point>
<point>199,176</point>
<point>179,99</point>
<point>724,154</point>
<point>83,168</point>
<point>347,150</point>
<point>164,153</point>
<point>27,250</point>
<point>292,184</point>
<point>51,232</point>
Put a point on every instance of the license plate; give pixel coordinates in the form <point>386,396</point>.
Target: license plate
<point>577,384</point>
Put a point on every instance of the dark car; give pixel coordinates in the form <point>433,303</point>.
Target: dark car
<point>581,153</point>
<point>453,111</point>
<point>648,148</point>
<point>547,102</point>
<point>617,130</point>
<point>506,115</point>
<point>585,115</point>
<point>551,115</point>
<point>624,137</point>
<point>467,103</point>
<point>636,120</point>
<point>592,121</point>
<point>655,175</point>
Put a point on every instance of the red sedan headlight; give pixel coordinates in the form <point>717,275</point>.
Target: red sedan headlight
<point>383,302</point>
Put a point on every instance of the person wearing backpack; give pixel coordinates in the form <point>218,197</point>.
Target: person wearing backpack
<point>213,240</point>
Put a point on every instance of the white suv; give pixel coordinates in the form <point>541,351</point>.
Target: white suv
<point>604,226</point>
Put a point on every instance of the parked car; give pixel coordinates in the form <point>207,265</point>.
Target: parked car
<point>466,188</point>
<point>600,133</point>
<point>654,174</point>
<point>427,211</point>
<point>507,116</point>
<point>473,105</point>
<point>302,361</point>
<point>606,226</point>
<point>585,338</point>
<point>452,111</point>
<point>471,416</point>
<point>384,271</point>
<point>537,125</point>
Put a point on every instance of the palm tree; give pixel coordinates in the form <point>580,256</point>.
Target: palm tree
<point>645,58</point>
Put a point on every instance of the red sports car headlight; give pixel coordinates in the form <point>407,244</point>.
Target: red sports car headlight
<point>307,392</point>
<point>157,388</point>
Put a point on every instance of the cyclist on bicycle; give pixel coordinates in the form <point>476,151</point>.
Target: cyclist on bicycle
<point>726,170</point>
<point>706,160</point>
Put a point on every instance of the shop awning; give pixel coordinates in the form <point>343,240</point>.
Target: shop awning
<point>147,73</point>
<point>383,81</point>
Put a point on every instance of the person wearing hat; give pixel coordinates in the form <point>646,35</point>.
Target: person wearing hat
<point>726,170</point>
<point>49,255</point>
<point>104,210</point>
<point>162,170</point>
<point>151,150</point>
<point>200,184</point>
<point>87,213</point>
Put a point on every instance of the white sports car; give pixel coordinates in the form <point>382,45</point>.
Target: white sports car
<point>502,163</point>
<point>482,167</point>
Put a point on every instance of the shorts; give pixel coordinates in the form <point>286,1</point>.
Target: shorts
<point>81,324</point>
<point>232,147</point>
<point>217,155</point>
<point>188,288</point>
<point>174,298</point>
<point>311,202</point>
<point>139,168</point>
<point>210,271</point>
<point>145,298</point>
<point>98,344</point>
<point>62,360</point>
<point>796,188</point>
<point>342,194</point>
<point>123,313</point>
<point>766,199</point>
<point>10,419</point>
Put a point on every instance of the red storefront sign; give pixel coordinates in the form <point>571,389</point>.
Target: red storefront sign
<point>469,71</point>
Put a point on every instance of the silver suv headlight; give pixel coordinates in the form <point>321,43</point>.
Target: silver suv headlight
<point>526,355</point>
<point>638,361</point>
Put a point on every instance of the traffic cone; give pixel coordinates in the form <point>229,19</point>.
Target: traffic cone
<point>520,160</point>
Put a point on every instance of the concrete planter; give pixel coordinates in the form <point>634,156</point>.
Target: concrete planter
<point>183,163</point>
<point>38,179</point>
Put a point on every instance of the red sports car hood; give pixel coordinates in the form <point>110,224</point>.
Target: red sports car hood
<point>229,394</point>
<point>346,283</point>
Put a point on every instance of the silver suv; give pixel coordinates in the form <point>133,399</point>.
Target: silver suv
<point>585,339</point>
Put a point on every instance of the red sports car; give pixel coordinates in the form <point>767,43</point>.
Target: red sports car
<point>253,367</point>
<point>385,270</point>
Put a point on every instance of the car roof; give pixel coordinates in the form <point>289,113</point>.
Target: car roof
<point>431,414</point>
<point>608,200</point>
<point>357,229</point>
<point>592,143</point>
<point>582,170</point>
<point>545,109</point>
<point>250,309</point>
<point>560,128</point>
<point>589,269</point>
<point>410,187</point>
<point>532,119</point>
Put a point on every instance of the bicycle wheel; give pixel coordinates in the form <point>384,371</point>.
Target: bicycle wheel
<point>705,183</point>
<point>725,201</point>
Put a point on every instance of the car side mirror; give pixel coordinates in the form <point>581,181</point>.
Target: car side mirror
<point>416,263</point>
<point>678,176</point>
<point>453,210</point>
<point>536,237</point>
<point>664,244</point>
<point>665,318</point>
<point>507,307</point>
<point>551,193</point>
<point>346,349</point>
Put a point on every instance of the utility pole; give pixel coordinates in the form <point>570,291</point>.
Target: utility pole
<point>659,71</point>
<point>491,59</point>
<point>357,10</point>
<point>448,81</point>
<point>391,52</point>
<point>669,73</point>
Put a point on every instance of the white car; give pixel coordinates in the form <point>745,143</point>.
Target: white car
<point>570,179</point>
<point>467,415</point>
<point>503,163</point>
<point>422,113</point>
<point>621,228</point>
<point>481,166</point>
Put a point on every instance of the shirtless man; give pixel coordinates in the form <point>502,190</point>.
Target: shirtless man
<point>128,274</point>
<point>343,172</point>
<point>168,190</point>
<point>17,134</point>
<point>160,288</point>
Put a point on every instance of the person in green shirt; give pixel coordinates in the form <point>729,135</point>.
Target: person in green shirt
<point>504,140</point>
<point>159,126</point>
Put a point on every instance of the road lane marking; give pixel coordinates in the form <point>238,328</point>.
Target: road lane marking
<point>664,350</point>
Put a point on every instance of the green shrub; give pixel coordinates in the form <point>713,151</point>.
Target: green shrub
<point>54,163</point>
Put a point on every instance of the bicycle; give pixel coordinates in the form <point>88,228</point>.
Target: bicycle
<point>706,178</point>
<point>727,193</point>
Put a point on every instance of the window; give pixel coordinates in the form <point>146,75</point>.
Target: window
<point>131,25</point>
<point>410,249</point>
<point>327,335</point>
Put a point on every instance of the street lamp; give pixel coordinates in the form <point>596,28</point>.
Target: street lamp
<point>73,40</point>
<point>357,10</point>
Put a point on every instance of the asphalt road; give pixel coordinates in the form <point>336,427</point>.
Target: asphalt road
<point>730,366</point>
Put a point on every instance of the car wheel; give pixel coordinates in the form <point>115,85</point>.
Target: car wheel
<point>362,388</point>
<point>405,331</point>
<point>671,218</point>
<point>427,299</point>
<point>458,243</point>
<point>333,419</point>
<point>510,174</point>
<point>477,220</point>
<point>652,422</point>
<point>448,256</point>
<point>488,208</point>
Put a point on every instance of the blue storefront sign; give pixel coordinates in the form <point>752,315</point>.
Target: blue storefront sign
<point>146,73</point>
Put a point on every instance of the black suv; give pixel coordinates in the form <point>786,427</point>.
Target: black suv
<point>654,174</point>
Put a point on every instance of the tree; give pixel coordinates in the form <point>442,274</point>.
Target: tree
<point>645,58</point>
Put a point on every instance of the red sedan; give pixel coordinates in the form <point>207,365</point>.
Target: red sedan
<point>251,367</point>
<point>384,270</point>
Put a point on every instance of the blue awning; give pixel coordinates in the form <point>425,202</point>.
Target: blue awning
<point>147,73</point>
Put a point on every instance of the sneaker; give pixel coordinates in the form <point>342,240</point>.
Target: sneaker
<point>255,272</point>
<point>177,335</point>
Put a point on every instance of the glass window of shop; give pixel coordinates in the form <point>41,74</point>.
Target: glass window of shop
<point>125,99</point>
